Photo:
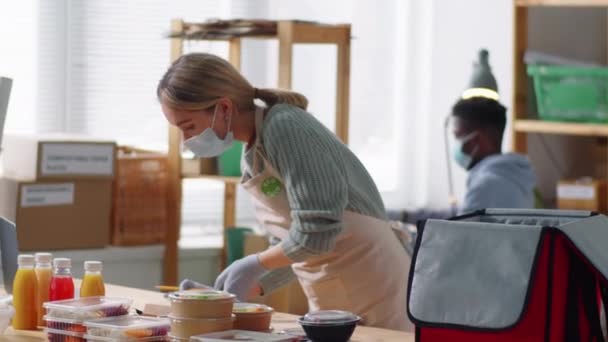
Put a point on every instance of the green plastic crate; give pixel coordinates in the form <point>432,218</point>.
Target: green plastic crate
<point>235,239</point>
<point>229,162</point>
<point>568,93</point>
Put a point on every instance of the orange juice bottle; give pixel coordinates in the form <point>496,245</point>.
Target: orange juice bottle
<point>44,273</point>
<point>24,294</point>
<point>92,283</point>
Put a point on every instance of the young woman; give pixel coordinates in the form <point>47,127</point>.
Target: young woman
<point>311,193</point>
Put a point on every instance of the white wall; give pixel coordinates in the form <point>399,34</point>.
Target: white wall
<point>449,34</point>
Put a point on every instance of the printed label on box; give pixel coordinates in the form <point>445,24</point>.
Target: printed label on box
<point>77,159</point>
<point>576,192</point>
<point>39,195</point>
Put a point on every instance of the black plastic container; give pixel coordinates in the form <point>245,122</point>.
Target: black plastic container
<point>329,325</point>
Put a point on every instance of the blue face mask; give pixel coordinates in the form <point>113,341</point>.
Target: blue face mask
<point>208,144</point>
<point>463,159</point>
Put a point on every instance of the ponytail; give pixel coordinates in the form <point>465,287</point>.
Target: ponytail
<point>272,96</point>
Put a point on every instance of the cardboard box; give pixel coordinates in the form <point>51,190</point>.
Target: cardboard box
<point>57,156</point>
<point>58,214</point>
<point>199,166</point>
<point>585,194</point>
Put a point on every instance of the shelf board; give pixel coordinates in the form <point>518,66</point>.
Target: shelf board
<point>225,179</point>
<point>562,128</point>
<point>565,3</point>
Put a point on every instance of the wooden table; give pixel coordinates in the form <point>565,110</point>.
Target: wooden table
<point>280,321</point>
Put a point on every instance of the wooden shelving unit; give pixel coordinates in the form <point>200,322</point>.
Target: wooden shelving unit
<point>561,128</point>
<point>564,3</point>
<point>524,124</point>
<point>288,33</point>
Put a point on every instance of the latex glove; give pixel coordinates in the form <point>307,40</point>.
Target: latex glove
<point>241,277</point>
<point>188,284</point>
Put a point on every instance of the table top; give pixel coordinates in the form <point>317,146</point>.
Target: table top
<point>280,321</point>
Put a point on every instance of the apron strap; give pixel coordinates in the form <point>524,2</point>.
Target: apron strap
<point>259,119</point>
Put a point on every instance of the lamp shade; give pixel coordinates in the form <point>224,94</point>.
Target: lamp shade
<point>482,81</point>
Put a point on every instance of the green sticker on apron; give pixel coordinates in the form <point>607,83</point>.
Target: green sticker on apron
<point>271,187</point>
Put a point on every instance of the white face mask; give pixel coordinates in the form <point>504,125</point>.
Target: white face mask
<point>208,144</point>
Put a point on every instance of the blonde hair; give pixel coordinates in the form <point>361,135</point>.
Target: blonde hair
<point>196,81</point>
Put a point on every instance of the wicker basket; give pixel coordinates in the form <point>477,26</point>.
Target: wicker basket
<point>139,215</point>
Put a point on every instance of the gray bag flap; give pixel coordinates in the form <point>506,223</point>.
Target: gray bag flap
<point>532,217</point>
<point>472,274</point>
<point>590,237</point>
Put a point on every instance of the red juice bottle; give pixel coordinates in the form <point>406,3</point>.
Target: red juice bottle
<point>62,285</point>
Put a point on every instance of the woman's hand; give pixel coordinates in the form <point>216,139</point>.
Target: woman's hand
<point>241,278</point>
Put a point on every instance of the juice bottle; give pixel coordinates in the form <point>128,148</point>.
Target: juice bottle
<point>24,294</point>
<point>92,283</point>
<point>62,285</point>
<point>44,273</point>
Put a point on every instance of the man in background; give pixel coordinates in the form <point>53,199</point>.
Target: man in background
<point>495,179</point>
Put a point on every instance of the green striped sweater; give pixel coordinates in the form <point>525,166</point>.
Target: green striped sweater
<point>322,178</point>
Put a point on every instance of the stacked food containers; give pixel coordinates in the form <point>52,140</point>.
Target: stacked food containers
<point>100,319</point>
<point>65,319</point>
<point>196,312</point>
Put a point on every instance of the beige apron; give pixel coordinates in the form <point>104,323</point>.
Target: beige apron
<point>367,271</point>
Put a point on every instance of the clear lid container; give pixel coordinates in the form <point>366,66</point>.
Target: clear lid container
<point>241,335</point>
<point>65,324</point>
<point>201,294</point>
<point>329,317</point>
<point>113,339</point>
<point>177,339</point>
<point>6,310</point>
<point>240,308</point>
<point>6,314</point>
<point>88,308</point>
<point>64,333</point>
<point>129,327</point>
<point>62,320</point>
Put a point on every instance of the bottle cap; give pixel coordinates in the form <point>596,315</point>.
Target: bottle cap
<point>93,266</point>
<point>43,258</point>
<point>25,260</point>
<point>62,262</point>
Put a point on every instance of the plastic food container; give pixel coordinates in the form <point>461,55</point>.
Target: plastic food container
<point>241,335</point>
<point>187,327</point>
<point>329,325</point>
<point>110,339</point>
<point>128,327</point>
<point>172,338</point>
<point>83,309</point>
<point>65,324</point>
<point>253,317</point>
<point>63,336</point>
<point>6,314</point>
<point>202,304</point>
